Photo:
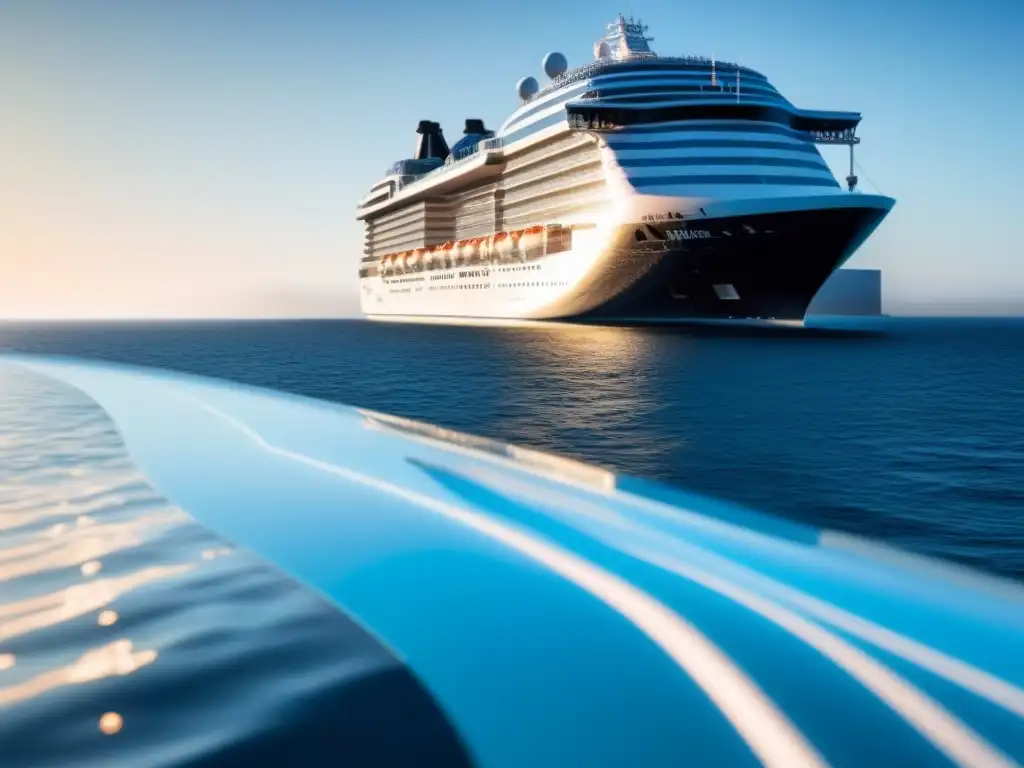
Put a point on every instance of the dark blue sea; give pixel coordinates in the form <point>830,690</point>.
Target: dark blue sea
<point>132,636</point>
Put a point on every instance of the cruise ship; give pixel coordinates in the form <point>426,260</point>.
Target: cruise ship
<point>633,188</point>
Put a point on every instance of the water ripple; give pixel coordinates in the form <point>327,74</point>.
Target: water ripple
<point>130,635</point>
<point>914,434</point>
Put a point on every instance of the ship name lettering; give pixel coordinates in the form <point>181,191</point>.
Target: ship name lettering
<point>688,234</point>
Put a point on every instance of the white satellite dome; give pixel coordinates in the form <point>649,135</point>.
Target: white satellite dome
<point>555,64</point>
<point>527,88</point>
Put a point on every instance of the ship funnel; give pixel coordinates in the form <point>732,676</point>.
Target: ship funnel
<point>474,127</point>
<point>438,146</point>
<point>431,141</point>
<point>424,130</point>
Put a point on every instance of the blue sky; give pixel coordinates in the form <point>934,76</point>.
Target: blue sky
<point>197,157</point>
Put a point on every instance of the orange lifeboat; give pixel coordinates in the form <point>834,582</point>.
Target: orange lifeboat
<point>515,242</point>
<point>533,243</point>
<point>447,255</point>
<point>459,253</point>
<point>428,257</point>
<point>501,244</point>
<point>415,260</point>
<point>479,250</point>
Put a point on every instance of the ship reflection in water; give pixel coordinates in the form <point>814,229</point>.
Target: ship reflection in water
<point>605,359</point>
<point>587,390</point>
<point>131,636</point>
<point>572,363</point>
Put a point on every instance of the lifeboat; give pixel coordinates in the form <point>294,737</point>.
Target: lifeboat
<point>447,254</point>
<point>469,252</point>
<point>429,257</point>
<point>517,245</point>
<point>487,252</point>
<point>414,261</point>
<point>502,246</point>
<point>480,252</point>
<point>532,243</point>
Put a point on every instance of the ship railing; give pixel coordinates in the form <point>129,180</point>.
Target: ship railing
<point>589,70</point>
<point>452,160</point>
<point>472,151</point>
<point>485,145</point>
<point>845,136</point>
<point>481,146</point>
<point>464,154</point>
<point>403,167</point>
<point>405,181</point>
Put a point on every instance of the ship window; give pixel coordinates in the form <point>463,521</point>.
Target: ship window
<point>682,86</point>
<point>655,95</point>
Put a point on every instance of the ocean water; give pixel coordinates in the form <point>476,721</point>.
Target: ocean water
<point>908,430</point>
<point>130,635</point>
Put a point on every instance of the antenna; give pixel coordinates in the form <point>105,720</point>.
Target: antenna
<point>737,82</point>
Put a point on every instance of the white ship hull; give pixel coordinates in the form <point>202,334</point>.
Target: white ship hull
<point>608,275</point>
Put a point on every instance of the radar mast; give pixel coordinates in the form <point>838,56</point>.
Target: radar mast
<point>624,39</point>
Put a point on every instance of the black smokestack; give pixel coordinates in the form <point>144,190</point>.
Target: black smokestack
<point>424,129</point>
<point>474,127</point>
<point>438,146</point>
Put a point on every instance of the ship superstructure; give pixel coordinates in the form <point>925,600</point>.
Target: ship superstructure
<point>635,187</point>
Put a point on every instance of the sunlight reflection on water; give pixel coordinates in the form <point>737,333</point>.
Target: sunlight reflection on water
<point>121,618</point>
<point>74,518</point>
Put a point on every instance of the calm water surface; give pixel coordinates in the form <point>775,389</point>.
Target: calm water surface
<point>131,636</point>
<point>912,432</point>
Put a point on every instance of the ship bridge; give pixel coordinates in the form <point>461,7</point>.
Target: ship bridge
<point>629,87</point>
